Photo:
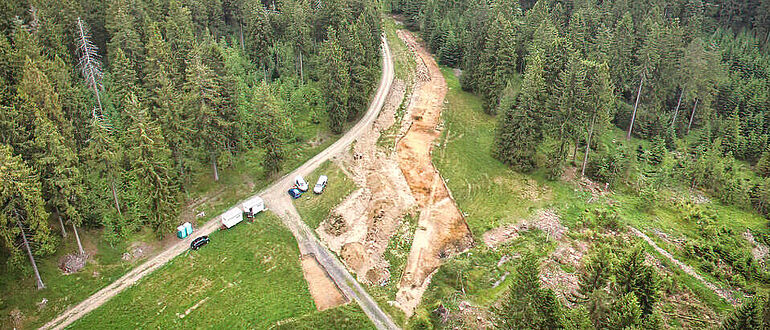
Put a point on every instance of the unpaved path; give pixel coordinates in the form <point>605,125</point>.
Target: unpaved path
<point>442,231</point>
<point>290,217</point>
<point>726,294</point>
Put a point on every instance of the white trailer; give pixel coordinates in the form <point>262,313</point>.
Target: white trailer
<point>232,217</point>
<point>253,205</point>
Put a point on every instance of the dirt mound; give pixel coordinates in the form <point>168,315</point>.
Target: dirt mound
<point>355,255</point>
<point>442,229</point>
<point>545,220</point>
<point>72,263</point>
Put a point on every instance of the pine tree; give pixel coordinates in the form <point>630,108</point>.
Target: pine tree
<point>202,98</point>
<point>57,164</point>
<point>89,62</point>
<point>625,313</point>
<point>520,130</point>
<point>103,155</point>
<point>597,104</point>
<point>526,303</point>
<point>121,26</point>
<point>272,128</point>
<point>450,53</point>
<point>36,90</point>
<point>595,273</point>
<point>746,316</point>
<point>763,165</point>
<point>153,186</point>
<point>178,27</point>
<point>335,80</point>
<point>22,214</point>
<point>259,35</point>
<point>636,277</point>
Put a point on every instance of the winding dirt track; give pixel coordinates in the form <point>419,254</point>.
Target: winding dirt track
<point>276,199</point>
<point>442,230</point>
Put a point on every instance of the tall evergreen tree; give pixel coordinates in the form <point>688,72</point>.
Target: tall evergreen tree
<point>153,185</point>
<point>526,303</point>
<point>746,316</point>
<point>335,81</point>
<point>22,214</point>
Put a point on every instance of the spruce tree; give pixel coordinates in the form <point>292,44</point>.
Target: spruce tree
<point>153,186</point>
<point>272,128</point>
<point>335,81</point>
<point>526,303</point>
<point>746,316</point>
<point>636,277</point>
<point>519,130</point>
<point>763,165</point>
<point>57,164</point>
<point>23,214</point>
<point>202,99</point>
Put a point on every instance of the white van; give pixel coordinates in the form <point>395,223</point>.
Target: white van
<point>321,184</point>
<point>300,183</point>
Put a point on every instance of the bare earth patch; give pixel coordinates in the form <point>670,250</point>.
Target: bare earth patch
<point>322,288</point>
<point>359,229</point>
<point>442,230</point>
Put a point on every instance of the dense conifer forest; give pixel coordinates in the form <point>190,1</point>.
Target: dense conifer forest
<point>110,109</point>
<point>689,76</point>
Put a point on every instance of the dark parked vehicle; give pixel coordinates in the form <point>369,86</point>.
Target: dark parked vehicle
<point>295,193</point>
<point>198,242</point>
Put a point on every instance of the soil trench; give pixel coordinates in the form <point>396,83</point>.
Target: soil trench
<point>442,231</point>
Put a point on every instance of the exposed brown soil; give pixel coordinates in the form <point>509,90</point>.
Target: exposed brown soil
<point>325,293</point>
<point>360,228</point>
<point>442,231</point>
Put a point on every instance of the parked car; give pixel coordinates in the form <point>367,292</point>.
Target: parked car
<point>321,184</point>
<point>300,183</point>
<point>199,242</point>
<point>295,193</point>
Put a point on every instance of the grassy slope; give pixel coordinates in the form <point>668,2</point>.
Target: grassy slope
<point>490,194</point>
<point>249,276</point>
<point>315,208</point>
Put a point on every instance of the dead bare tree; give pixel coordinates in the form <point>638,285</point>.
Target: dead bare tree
<point>636,106</point>
<point>40,284</point>
<point>88,62</point>
<point>692,116</point>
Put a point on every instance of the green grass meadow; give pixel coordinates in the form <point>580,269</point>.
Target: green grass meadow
<point>247,277</point>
